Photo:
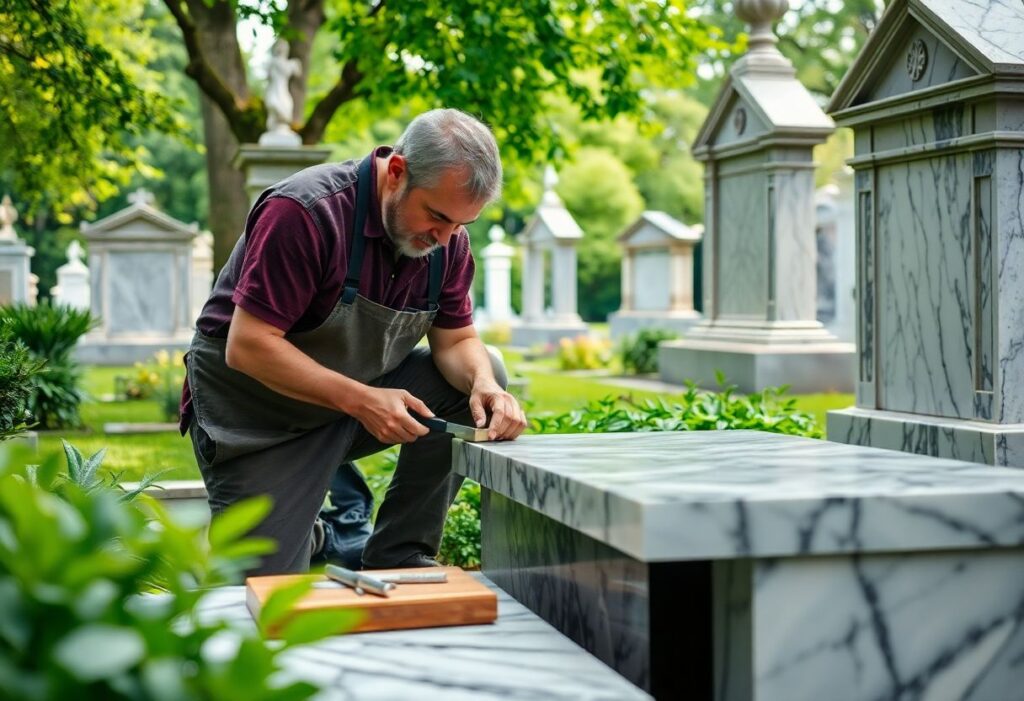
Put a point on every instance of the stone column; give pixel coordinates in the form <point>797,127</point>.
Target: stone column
<point>498,277</point>
<point>681,276</point>
<point>627,281</point>
<point>563,282</point>
<point>15,257</point>
<point>533,283</point>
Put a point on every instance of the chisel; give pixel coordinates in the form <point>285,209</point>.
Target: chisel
<point>466,433</point>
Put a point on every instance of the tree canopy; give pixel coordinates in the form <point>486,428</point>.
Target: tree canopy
<point>73,90</point>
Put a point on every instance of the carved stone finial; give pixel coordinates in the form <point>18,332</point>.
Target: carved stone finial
<point>496,234</point>
<point>8,215</point>
<point>141,196</point>
<point>550,178</point>
<point>761,15</point>
<point>75,252</point>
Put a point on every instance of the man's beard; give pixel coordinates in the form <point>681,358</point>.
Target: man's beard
<point>399,234</point>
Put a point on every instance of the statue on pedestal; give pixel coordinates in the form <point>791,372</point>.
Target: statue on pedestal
<point>278,98</point>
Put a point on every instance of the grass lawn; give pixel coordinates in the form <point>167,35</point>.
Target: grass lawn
<point>135,456</point>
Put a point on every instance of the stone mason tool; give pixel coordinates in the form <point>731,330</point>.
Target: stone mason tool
<point>466,433</point>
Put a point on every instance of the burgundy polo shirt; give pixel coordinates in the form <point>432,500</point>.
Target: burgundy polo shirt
<point>292,270</point>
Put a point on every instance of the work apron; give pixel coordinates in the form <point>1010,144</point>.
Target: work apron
<point>361,339</point>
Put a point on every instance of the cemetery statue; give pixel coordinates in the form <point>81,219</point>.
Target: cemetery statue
<point>8,215</point>
<point>278,98</point>
<point>305,356</point>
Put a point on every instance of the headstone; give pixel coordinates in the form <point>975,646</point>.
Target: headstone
<point>657,275</point>
<point>280,152</point>
<point>202,271</point>
<point>497,279</point>
<point>934,102</point>
<point>140,269</point>
<point>15,259</point>
<point>759,251</point>
<point>73,280</point>
<point>551,233</point>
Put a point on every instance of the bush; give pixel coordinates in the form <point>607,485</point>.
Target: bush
<point>161,379</point>
<point>76,568</point>
<point>17,371</point>
<point>697,411</point>
<point>460,545</point>
<point>639,351</point>
<point>584,353</point>
<point>50,333</point>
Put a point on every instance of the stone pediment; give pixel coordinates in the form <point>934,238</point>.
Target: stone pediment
<point>754,103</point>
<point>655,228</point>
<point>922,44</point>
<point>139,222</point>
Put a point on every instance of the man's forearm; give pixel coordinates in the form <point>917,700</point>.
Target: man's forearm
<point>282,367</point>
<point>464,364</point>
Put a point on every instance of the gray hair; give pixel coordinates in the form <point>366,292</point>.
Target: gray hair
<point>445,139</point>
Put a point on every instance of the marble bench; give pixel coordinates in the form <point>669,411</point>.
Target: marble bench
<point>517,657</point>
<point>739,565</point>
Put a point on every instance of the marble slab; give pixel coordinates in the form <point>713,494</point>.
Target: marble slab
<point>518,657</point>
<point>726,494</point>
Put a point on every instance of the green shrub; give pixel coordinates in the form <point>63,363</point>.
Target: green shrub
<point>77,567</point>
<point>584,353</point>
<point>160,378</point>
<point>17,370</point>
<point>50,332</point>
<point>695,411</point>
<point>460,545</point>
<point>639,351</point>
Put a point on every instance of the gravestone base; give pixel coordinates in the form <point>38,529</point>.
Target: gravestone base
<point>526,335</point>
<point>127,351</point>
<point>807,368</point>
<point>622,323</point>
<point>973,441</point>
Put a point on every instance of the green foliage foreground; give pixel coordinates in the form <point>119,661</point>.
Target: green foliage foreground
<point>98,597</point>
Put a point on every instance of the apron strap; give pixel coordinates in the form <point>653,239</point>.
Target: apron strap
<point>355,259</point>
<point>434,285</point>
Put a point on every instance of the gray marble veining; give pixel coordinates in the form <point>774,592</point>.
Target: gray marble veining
<point>723,494</point>
<point>141,294</point>
<point>743,200</point>
<point>518,657</point>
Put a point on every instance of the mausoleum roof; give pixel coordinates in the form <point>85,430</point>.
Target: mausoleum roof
<point>987,36</point>
<point>139,220</point>
<point>663,223</point>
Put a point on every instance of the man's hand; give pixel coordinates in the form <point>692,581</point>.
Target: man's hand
<point>507,417</point>
<point>385,414</point>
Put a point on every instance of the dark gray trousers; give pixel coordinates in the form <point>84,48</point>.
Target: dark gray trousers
<point>411,517</point>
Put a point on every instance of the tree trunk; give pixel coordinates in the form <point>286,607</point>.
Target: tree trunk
<point>229,202</point>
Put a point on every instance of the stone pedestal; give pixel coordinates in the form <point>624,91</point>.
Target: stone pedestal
<point>759,240</point>
<point>73,280</point>
<point>15,260</point>
<point>266,165</point>
<point>938,144</point>
<point>497,258</point>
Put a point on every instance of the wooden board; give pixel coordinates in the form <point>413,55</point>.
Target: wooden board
<point>460,601</point>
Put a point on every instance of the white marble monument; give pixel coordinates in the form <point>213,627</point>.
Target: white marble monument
<point>657,275</point>
<point>73,287</point>
<point>760,326</point>
<point>15,259</point>
<point>280,152</point>
<point>140,267</point>
<point>934,101</point>
<point>551,233</point>
<point>497,258</point>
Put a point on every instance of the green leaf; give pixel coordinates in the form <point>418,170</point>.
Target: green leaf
<point>315,625</point>
<point>99,651</point>
<point>74,458</point>
<point>280,603</point>
<point>237,520</point>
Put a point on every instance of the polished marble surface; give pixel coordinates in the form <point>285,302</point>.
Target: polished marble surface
<point>517,657</point>
<point>724,494</point>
